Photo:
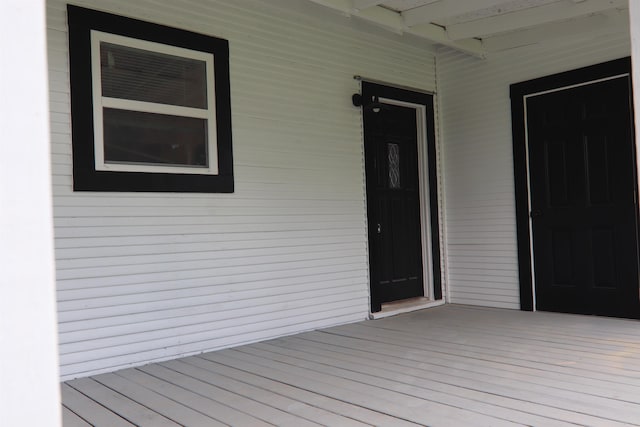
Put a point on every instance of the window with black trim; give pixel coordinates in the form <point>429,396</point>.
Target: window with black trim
<point>150,106</point>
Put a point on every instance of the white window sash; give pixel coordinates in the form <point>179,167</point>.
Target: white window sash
<point>100,102</point>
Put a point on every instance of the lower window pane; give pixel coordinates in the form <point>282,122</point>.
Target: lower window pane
<point>133,137</point>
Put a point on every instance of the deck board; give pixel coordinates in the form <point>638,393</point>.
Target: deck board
<point>572,366</point>
<point>508,386</point>
<point>206,405</point>
<point>436,363</point>
<point>577,401</point>
<point>445,366</point>
<point>91,411</point>
<point>238,402</point>
<point>272,395</point>
<point>181,414</point>
<point>70,419</point>
<point>472,391</point>
<point>405,383</point>
<point>125,407</point>
<point>326,410</point>
<point>373,397</point>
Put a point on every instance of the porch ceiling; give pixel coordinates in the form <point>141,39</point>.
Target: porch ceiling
<point>481,26</point>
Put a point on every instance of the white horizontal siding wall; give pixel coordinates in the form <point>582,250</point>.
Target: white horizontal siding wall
<point>144,277</point>
<point>478,158</point>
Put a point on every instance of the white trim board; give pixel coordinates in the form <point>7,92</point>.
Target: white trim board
<point>405,306</point>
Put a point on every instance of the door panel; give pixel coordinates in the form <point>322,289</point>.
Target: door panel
<point>584,215</point>
<point>393,206</point>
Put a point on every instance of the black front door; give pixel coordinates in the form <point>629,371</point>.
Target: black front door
<point>393,202</point>
<point>394,193</point>
<point>583,203</point>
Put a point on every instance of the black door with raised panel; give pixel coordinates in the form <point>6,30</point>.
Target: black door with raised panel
<point>394,194</point>
<point>583,203</point>
<point>393,202</point>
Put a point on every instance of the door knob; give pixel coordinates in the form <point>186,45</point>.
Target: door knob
<point>379,228</point>
<point>535,213</point>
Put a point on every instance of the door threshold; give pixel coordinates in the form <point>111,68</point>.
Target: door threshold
<point>405,306</point>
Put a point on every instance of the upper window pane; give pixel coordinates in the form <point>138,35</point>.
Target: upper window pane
<point>142,75</point>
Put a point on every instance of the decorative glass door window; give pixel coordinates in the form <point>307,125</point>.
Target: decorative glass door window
<point>393,157</point>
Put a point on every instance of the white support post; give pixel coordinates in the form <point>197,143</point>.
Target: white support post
<point>634,30</point>
<point>29,379</point>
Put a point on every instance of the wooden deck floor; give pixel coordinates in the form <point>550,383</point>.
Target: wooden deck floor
<point>445,366</point>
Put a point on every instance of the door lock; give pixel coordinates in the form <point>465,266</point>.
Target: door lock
<point>535,213</point>
<point>379,228</point>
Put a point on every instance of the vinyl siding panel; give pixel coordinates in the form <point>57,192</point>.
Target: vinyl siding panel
<point>144,277</point>
<point>478,158</point>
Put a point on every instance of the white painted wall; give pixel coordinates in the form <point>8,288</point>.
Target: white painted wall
<point>29,389</point>
<point>145,277</point>
<point>478,158</point>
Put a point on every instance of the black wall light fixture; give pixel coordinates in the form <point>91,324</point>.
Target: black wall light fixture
<point>372,104</point>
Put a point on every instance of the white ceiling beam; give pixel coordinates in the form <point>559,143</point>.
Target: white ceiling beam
<point>531,17</point>
<point>597,25</point>
<point>384,17</point>
<point>343,6</point>
<point>437,34</point>
<point>365,4</point>
<point>392,21</point>
<point>445,8</point>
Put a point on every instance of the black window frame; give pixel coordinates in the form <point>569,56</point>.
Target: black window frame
<point>85,176</point>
